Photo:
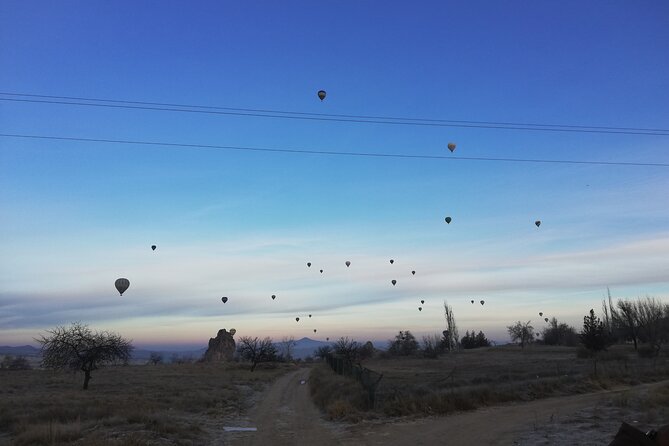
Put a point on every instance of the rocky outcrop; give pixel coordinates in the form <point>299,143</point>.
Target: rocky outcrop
<point>221,348</point>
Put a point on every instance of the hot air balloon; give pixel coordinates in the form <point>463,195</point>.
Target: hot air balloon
<point>393,282</point>
<point>420,308</point>
<point>232,332</point>
<point>321,94</point>
<point>121,285</point>
<point>482,302</point>
<point>451,146</point>
<point>422,301</point>
<point>314,330</point>
<point>224,299</point>
<point>327,339</point>
<point>321,271</point>
<point>472,300</point>
<point>541,313</point>
<point>309,264</point>
<point>273,296</point>
<point>448,220</point>
<point>348,263</point>
<point>545,319</point>
<point>309,315</point>
<point>392,261</point>
<point>413,273</point>
<point>153,247</point>
<point>297,319</point>
<point>538,223</point>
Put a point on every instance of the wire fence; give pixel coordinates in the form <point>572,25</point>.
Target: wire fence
<point>368,379</point>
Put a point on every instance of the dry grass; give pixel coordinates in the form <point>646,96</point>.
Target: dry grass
<point>164,404</point>
<point>475,378</point>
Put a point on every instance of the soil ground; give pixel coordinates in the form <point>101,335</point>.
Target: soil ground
<point>285,415</point>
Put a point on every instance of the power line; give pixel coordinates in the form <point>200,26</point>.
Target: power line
<point>279,114</point>
<point>328,152</point>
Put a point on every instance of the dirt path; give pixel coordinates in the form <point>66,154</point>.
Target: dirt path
<point>498,425</point>
<point>285,415</point>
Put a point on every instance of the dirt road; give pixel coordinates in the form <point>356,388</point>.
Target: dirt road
<point>286,416</point>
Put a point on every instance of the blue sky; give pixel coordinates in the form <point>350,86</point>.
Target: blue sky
<point>77,215</point>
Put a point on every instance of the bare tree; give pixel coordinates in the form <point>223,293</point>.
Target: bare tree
<point>347,348</point>
<point>522,332</point>
<point>652,316</point>
<point>78,348</point>
<point>286,348</point>
<point>431,346</point>
<point>451,335</point>
<point>155,358</point>
<point>256,350</point>
<point>627,319</point>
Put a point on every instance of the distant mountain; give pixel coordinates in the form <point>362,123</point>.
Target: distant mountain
<point>304,347</point>
<point>24,350</point>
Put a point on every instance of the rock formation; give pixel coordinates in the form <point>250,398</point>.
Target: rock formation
<point>221,348</point>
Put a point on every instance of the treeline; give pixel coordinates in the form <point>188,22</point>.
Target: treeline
<point>643,322</point>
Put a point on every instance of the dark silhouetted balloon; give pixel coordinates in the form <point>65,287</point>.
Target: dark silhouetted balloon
<point>393,282</point>
<point>321,94</point>
<point>224,299</point>
<point>321,271</point>
<point>472,300</point>
<point>541,313</point>
<point>451,146</point>
<point>348,263</point>
<point>413,273</point>
<point>538,223</point>
<point>327,339</point>
<point>422,301</point>
<point>121,285</point>
<point>297,319</point>
<point>273,296</point>
<point>546,319</point>
<point>153,247</point>
<point>392,261</point>
<point>482,302</point>
<point>309,264</point>
<point>448,220</point>
<point>309,315</point>
<point>420,308</point>
<point>314,330</point>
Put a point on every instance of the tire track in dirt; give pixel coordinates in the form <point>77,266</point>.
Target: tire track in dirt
<point>286,416</point>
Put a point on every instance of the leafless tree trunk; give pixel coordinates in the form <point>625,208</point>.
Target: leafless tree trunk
<point>451,335</point>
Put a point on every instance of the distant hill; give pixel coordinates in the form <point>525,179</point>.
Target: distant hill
<point>24,350</point>
<point>306,347</point>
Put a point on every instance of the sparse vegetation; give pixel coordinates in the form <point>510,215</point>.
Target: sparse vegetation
<point>11,363</point>
<point>133,405</point>
<point>478,377</point>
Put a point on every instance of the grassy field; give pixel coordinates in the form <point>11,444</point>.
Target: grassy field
<point>132,405</point>
<point>474,378</point>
